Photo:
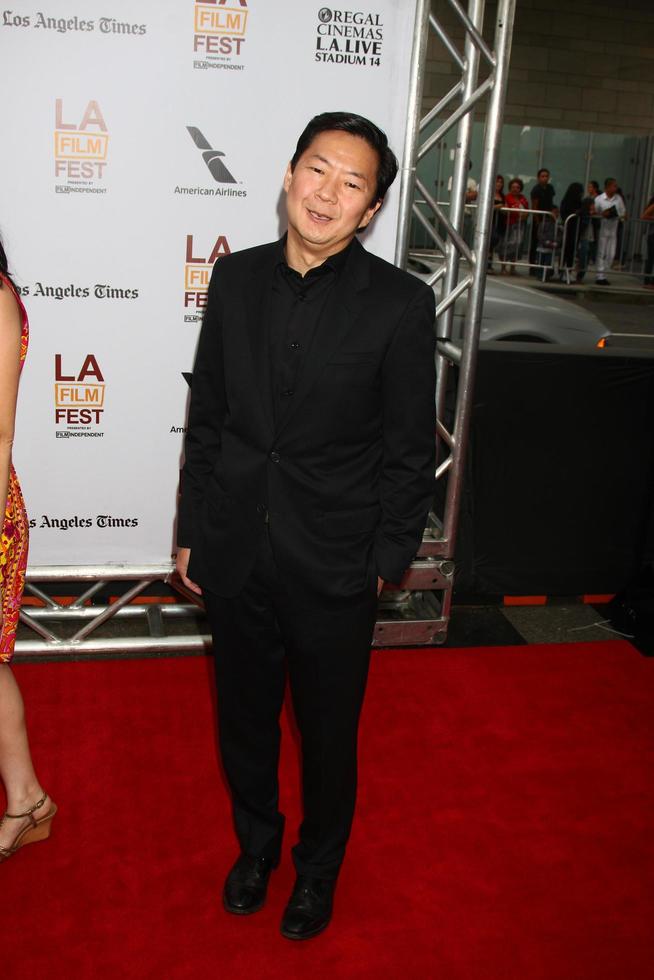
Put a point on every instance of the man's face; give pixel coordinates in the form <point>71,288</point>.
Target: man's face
<point>611,188</point>
<point>544,177</point>
<point>331,192</point>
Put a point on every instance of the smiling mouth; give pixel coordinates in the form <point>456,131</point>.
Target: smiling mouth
<point>322,218</point>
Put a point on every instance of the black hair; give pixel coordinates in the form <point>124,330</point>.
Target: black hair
<point>349,122</point>
<point>593,183</point>
<point>608,181</point>
<point>572,199</point>
<point>4,265</point>
<point>516,180</point>
<point>543,170</point>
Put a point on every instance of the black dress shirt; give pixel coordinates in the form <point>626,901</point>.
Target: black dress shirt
<point>543,197</point>
<point>296,307</point>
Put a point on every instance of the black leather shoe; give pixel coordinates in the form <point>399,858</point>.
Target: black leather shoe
<point>246,885</point>
<point>309,909</point>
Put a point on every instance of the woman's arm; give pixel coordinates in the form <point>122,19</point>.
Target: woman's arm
<point>648,213</point>
<point>10,330</point>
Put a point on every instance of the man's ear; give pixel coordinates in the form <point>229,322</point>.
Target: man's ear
<point>288,176</point>
<point>369,214</point>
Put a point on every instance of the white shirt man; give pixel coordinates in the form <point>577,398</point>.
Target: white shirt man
<point>609,206</point>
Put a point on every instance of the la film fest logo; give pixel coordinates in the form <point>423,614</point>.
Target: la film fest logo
<point>219,28</point>
<point>225,183</point>
<point>80,149</point>
<point>349,37</point>
<point>197,273</point>
<point>79,397</point>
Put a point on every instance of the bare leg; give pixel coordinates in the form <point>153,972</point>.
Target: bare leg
<point>16,769</point>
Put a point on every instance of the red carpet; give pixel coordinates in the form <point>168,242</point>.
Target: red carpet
<point>505,826</point>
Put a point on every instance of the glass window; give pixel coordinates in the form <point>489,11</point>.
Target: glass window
<point>565,154</point>
<point>614,155</point>
<point>519,153</point>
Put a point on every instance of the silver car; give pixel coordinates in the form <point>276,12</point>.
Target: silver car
<point>513,311</point>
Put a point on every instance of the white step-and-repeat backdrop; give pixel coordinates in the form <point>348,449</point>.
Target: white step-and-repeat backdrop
<point>139,148</point>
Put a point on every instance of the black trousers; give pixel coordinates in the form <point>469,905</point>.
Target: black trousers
<point>269,629</point>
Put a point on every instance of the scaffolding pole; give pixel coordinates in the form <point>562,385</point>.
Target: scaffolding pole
<point>461,269</point>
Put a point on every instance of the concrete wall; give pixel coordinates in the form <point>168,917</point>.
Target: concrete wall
<point>574,65</point>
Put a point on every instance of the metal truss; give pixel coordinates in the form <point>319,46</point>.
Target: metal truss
<point>65,628</point>
<point>75,628</point>
<point>419,612</point>
<point>461,269</point>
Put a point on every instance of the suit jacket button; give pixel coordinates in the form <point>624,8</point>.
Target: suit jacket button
<point>275,457</point>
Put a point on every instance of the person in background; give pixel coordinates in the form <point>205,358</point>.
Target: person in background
<point>610,208</point>
<point>30,810</point>
<point>472,188</point>
<point>511,247</point>
<point>648,215</point>
<point>596,223</point>
<point>549,240</point>
<point>542,199</point>
<point>589,230</point>
<point>571,216</point>
<point>498,222</point>
<point>619,244</point>
<point>472,193</point>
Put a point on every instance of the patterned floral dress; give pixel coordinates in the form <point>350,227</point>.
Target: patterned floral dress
<point>14,536</point>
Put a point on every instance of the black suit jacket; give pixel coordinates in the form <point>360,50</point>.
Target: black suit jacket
<point>346,477</point>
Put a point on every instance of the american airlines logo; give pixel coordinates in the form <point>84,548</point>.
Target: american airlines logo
<point>213,160</point>
<point>211,157</point>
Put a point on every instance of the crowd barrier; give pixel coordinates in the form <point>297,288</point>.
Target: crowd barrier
<point>634,252</point>
<point>536,242</point>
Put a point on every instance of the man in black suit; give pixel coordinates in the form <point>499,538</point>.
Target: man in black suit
<point>308,478</point>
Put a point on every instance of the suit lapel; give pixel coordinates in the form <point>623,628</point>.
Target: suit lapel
<point>338,317</point>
